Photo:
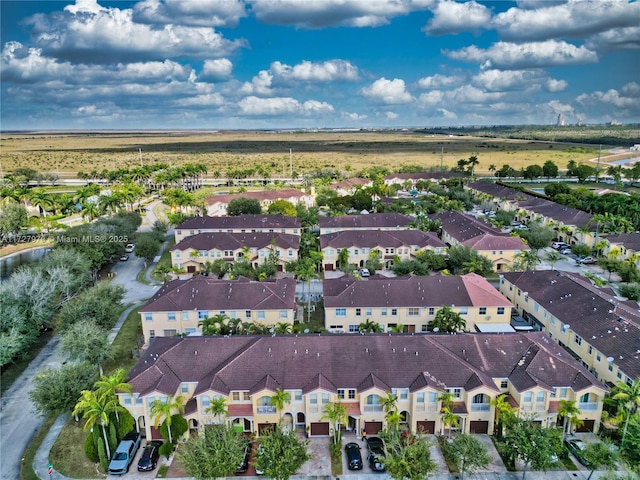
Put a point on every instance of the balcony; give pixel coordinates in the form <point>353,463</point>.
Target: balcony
<point>266,410</point>
<point>372,408</point>
<point>426,407</point>
<point>480,407</point>
<point>533,407</point>
<point>587,406</point>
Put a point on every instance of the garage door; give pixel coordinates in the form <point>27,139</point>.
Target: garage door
<point>373,428</point>
<point>427,427</point>
<point>320,429</point>
<point>479,427</point>
<point>587,426</point>
<point>328,267</point>
<point>263,427</point>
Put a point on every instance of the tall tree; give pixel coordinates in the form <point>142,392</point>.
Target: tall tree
<point>628,397</point>
<point>281,454</point>
<point>164,410</point>
<point>108,386</point>
<point>336,413</point>
<point>446,320</point>
<point>280,399</point>
<point>86,341</point>
<point>468,453</point>
<point>408,457</point>
<point>600,454</point>
<point>218,407</point>
<point>568,410</point>
<point>243,206</point>
<point>97,409</point>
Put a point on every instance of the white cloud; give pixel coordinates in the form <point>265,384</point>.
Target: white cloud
<point>573,19</point>
<point>325,13</point>
<point>526,55</point>
<point>612,98</point>
<point>260,84</point>
<point>390,92</point>
<point>431,99</point>
<point>110,35</point>
<point>439,81</point>
<point>449,115</point>
<point>354,116</point>
<point>216,70</point>
<point>208,100</point>
<point>513,80</point>
<point>553,85</point>
<point>204,13</point>
<point>282,106</point>
<point>627,38</point>
<point>329,71</point>
<point>451,17</point>
<point>391,115</point>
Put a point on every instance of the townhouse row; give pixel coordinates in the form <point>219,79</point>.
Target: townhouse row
<point>360,372</point>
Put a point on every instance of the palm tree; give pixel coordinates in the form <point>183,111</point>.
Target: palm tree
<point>218,407</point>
<point>504,412</point>
<point>97,409</point>
<point>369,327</point>
<point>280,399</point>
<point>108,386</point>
<point>336,413</point>
<point>629,396</point>
<point>472,162</point>
<point>567,409</point>
<point>164,410</point>
<point>306,271</point>
<point>448,417</point>
<point>389,402</point>
<point>283,328</point>
<point>552,257</point>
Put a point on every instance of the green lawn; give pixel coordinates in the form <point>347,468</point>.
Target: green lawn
<point>26,470</point>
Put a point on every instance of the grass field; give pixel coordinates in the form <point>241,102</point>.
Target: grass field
<point>69,153</point>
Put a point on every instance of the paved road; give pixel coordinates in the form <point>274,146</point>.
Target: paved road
<point>18,421</point>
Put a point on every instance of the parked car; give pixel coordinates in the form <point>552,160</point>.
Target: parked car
<point>560,245</point>
<point>566,251</point>
<point>124,257</point>
<point>576,446</point>
<point>129,248</point>
<point>354,458</point>
<point>243,466</point>
<point>364,272</point>
<point>586,260</point>
<point>376,457</point>
<point>125,451</point>
<point>150,455</point>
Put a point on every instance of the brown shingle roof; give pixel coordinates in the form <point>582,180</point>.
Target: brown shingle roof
<point>235,241</point>
<point>261,196</point>
<point>610,325</point>
<point>258,222</point>
<point>371,221</point>
<point>313,362</point>
<point>496,242</point>
<point>380,238</point>
<point>629,240</point>
<point>209,293</point>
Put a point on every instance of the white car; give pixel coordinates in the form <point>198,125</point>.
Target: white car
<point>129,248</point>
<point>364,272</point>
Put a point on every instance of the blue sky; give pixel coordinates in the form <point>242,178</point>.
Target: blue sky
<point>229,64</point>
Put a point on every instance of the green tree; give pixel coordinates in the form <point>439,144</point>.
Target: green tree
<point>526,261</point>
<point>217,407</point>
<point>533,171</point>
<point>538,236</point>
<point>552,257</point>
<point>504,413</point>
<point>336,413</point>
<point>163,410</point>
<point>108,386</point>
<point>583,172</point>
<point>96,409</point>
<point>408,457</point>
<point>281,454</point>
<point>531,443</point>
<point>147,246</point>
<point>283,207</point>
<point>550,169</point>
<point>87,342</point>
<point>13,218</point>
<point>446,320</point>
<point>243,206</point>
<point>369,327</point>
<point>628,398</point>
<point>343,259</point>
<point>56,391</point>
<point>600,454</point>
<point>215,454</point>
<point>280,399</point>
<point>568,410</point>
<point>468,453</point>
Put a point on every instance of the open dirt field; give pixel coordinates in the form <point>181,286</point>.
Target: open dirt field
<point>71,152</point>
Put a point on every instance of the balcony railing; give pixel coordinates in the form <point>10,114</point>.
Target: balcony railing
<point>267,409</point>
<point>372,408</point>
<point>313,408</point>
<point>587,406</point>
<point>533,407</point>
<point>480,407</point>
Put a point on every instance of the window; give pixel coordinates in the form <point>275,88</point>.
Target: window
<point>383,312</point>
<point>341,312</point>
<point>540,397</point>
<point>341,394</point>
<point>424,328</point>
<point>457,392</point>
<point>325,398</point>
<point>482,311</point>
<point>590,350</point>
<point>171,316</point>
<point>148,317</point>
<point>297,396</point>
<point>432,311</point>
<point>246,396</point>
<point>368,312</point>
<point>203,314</point>
<point>504,384</point>
<point>152,334</point>
<point>170,332</point>
<point>394,312</point>
<point>577,339</point>
<point>358,312</point>
<point>229,253</point>
<point>413,312</point>
<point>352,394</point>
<point>189,330</point>
<point>247,314</point>
<point>284,314</point>
<point>290,253</point>
<point>479,398</point>
<point>464,310</point>
<point>500,310</point>
<point>235,396</point>
<point>261,315</point>
<point>433,397</point>
<point>205,401</point>
<point>177,254</point>
<point>185,315</point>
<point>184,388</point>
<point>313,399</point>
<point>353,328</point>
<point>138,399</point>
<point>598,357</point>
<point>528,396</point>
<point>420,397</point>
<point>126,399</point>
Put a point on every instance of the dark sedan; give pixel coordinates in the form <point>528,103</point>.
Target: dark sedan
<point>375,445</point>
<point>576,446</point>
<point>150,455</point>
<point>354,458</point>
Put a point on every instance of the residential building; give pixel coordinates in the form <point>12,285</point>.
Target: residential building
<point>239,224</point>
<point>371,221</point>
<point>572,225</point>
<point>596,327</point>
<point>413,302</point>
<point>414,178</point>
<point>404,244</point>
<point>195,251</point>
<point>217,204</point>
<point>350,185</point>
<point>359,371</point>
<point>623,246</point>
<point>180,305</point>
<point>462,229</point>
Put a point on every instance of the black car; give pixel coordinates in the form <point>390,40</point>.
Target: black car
<point>149,458</point>
<point>243,466</point>
<point>375,445</point>
<point>354,459</point>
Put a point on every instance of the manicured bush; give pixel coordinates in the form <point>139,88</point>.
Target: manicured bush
<point>91,449</point>
<point>166,449</point>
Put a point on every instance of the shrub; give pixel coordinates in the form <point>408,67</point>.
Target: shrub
<point>166,449</point>
<point>102,455</point>
<point>632,291</point>
<point>91,449</point>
